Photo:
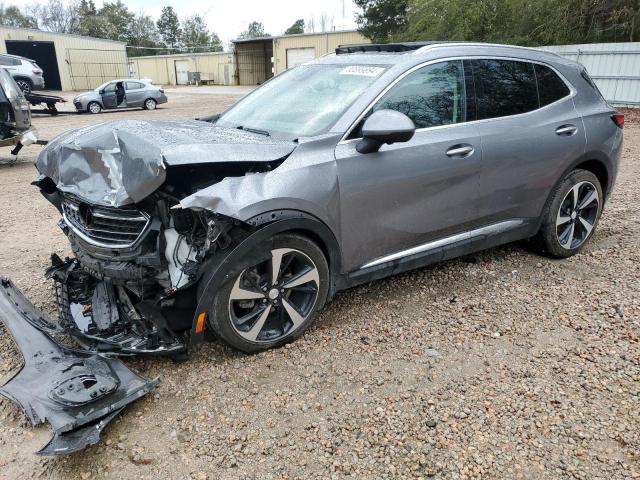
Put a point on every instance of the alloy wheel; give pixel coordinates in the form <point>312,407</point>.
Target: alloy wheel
<point>275,297</point>
<point>150,104</point>
<point>24,86</point>
<point>94,107</point>
<point>577,215</point>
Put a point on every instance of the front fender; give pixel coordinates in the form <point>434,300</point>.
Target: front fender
<point>219,269</point>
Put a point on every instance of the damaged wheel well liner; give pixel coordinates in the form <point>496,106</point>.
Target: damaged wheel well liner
<point>268,224</point>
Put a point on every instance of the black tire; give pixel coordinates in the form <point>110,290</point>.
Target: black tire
<point>223,306</point>
<point>94,107</point>
<point>24,84</point>
<point>150,104</point>
<point>555,226</point>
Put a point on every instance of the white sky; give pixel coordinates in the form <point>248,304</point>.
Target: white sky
<point>229,17</point>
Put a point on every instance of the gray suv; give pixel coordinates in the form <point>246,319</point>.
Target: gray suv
<point>26,73</point>
<point>371,161</point>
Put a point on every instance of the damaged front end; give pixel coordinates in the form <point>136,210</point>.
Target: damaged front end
<point>132,285</point>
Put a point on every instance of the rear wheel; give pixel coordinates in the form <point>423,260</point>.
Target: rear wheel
<point>571,215</point>
<point>150,104</point>
<point>268,303</point>
<point>24,85</point>
<point>94,107</point>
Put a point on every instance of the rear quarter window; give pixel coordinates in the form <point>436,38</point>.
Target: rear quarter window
<point>551,87</point>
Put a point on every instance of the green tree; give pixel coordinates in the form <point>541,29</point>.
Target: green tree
<point>296,28</point>
<point>196,36</point>
<point>382,20</point>
<point>254,30</point>
<point>169,27</point>
<point>12,17</point>
<point>90,23</point>
<point>117,20</point>
<point>143,33</point>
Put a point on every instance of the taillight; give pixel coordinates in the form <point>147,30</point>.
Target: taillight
<point>618,119</point>
<point>162,90</point>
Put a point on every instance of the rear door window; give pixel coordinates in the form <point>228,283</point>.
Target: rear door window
<point>134,85</point>
<point>431,96</point>
<point>504,87</point>
<point>551,87</point>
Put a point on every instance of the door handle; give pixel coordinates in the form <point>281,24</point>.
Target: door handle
<point>566,130</point>
<point>460,151</point>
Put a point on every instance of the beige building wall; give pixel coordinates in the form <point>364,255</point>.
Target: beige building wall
<point>83,62</point>
<point>215,68</point>
<point>322,43</point>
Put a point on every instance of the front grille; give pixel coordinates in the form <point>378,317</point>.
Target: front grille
<point>104,226</point>
<point>78,105</point>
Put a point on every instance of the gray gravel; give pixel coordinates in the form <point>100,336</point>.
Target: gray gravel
<point>500,365</point>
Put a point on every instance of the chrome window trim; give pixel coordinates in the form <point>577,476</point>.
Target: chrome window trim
<point>572,93</point>
<point>492,229</point>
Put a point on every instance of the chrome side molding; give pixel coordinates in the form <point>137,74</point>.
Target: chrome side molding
<point>492,229</point>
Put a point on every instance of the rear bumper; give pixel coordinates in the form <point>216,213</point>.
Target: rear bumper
<point>162,98</point>
<point>77,392</point>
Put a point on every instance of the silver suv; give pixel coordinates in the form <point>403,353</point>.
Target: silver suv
<point>26,73</point>
<point>356,166</point>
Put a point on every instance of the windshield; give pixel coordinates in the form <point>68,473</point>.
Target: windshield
<point>303,101</point>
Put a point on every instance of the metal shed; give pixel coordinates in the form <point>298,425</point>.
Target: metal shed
<point>214,68</point>
<point>254,60</point>
<point>70,62</point>
<point>293,50</point>
<point>258,59</point>
<point>614,67</point>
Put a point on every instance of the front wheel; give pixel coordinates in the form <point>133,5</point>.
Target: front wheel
<point>571,215</point>
<point>94,107</point>
<point>150,104</point>
<point>272,301</point>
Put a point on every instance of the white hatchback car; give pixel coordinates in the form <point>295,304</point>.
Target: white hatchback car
<point>26,72</point>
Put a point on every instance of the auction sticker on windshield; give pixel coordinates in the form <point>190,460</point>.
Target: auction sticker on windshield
<point>364,70</point>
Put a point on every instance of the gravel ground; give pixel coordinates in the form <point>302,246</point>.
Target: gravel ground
<point>499,365</point>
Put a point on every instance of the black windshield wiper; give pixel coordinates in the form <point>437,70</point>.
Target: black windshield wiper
<point>254,130</point>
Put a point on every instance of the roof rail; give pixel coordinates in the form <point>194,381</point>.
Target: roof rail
<point>382,47</point>
<point>432,45</point>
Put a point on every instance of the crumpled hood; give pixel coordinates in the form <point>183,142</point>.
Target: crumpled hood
<point>122,162</point>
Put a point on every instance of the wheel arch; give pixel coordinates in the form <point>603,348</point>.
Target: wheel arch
<point>26,79</point>
<point>265,226</point>
<point>595,162</point>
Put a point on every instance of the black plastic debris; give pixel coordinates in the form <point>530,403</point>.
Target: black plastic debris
<point>77,392</point>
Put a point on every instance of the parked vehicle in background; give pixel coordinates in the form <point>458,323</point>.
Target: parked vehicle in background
<point>15,114</point>
<point>118,94</point>
<point>26,72</point>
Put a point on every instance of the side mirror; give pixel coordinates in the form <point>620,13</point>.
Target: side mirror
<point>385,126</point>
<point>101,92</point>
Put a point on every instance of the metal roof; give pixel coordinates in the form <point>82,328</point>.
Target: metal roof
<point>45,32</point>
<point>274,37</point>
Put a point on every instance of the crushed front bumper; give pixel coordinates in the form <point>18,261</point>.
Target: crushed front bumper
<point>77,392</point>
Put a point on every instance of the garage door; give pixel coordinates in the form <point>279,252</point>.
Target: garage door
<point>44,54</point>
<point>298,56</point>
<point>182,72</point>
